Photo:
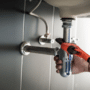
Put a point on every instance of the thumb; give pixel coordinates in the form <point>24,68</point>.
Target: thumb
<point>60,40</point>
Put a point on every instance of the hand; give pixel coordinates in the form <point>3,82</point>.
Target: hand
<point>78,65</point>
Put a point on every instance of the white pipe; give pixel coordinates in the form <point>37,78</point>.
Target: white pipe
<point>33,14</point>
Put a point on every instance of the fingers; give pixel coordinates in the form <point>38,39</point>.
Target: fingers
<point>58,67</point>
<point>57,71</point>
<point>56,58</point>
<point>58,64</point>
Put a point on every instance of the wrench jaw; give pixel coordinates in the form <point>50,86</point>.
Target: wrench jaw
<point>88,60</point>
<point>71,50</point>
<point>60,40</point>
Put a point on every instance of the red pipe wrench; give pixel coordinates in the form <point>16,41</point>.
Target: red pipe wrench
<point>71,48</point>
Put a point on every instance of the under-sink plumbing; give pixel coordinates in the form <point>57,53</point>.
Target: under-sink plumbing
<point>26,48</point>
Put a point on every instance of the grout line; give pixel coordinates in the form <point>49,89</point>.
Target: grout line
<point>73,78</point>
<point>24,18</point>
<point>76,28</point>
<point>22,40</point>
<point>75,42</point>
<point>73,82</point>
<point>53,23</point>
<point>21,72</point>
<point>52,36</point>
<point>50,74</point>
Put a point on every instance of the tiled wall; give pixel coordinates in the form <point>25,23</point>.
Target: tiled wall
<point>36,71</point>
<point>11,33</point>
<point>36,67</point>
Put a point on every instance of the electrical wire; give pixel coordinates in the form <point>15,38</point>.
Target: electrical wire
<point>33,14</point>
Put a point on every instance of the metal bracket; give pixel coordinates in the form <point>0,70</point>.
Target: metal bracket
<point>43,40</point>
<point>74,40</point>
<point>23,52</point>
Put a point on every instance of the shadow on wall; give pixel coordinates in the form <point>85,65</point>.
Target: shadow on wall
<point>9,47</point>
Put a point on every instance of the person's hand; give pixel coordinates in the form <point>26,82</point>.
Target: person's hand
<point>78,65</point>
